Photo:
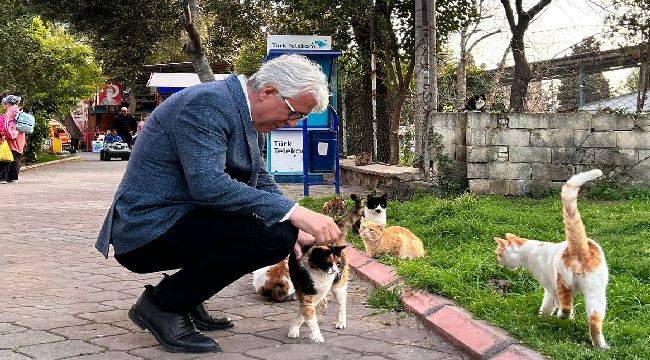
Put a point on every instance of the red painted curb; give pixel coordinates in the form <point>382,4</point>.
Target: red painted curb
<point>518,352</point>
<point>476,338</point>
<point>421,303</point>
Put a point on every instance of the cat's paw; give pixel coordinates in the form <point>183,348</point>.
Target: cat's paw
<point>293,333</point>
<point>340,325</point>
<point>317,338</point>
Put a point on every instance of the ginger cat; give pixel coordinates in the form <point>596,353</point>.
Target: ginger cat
<point>577,264</point>
<point>320,270</point>
<point>393,240</point>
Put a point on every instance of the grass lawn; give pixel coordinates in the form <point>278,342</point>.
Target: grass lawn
<point>461,264</point>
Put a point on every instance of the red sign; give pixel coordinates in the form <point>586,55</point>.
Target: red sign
<point>110,95</point>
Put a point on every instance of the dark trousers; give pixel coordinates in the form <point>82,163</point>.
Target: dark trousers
<point>9,170</point>
<point>127,138</point>
<point>212,250</point>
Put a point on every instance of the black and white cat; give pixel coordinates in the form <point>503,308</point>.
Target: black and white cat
<point>375,209</point>
<point>476,103</point>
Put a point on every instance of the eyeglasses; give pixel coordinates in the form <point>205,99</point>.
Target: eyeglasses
<point>293,115</point>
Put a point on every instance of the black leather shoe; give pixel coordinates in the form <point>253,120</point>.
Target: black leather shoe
<point>175,332</point>
<point>205,322</point>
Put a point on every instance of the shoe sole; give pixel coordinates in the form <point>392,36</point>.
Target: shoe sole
<point>203,327</point>
<point>144,325</point>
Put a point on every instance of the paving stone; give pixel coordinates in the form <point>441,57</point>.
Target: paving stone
<point>83,332</point>
<point>241,343</point>
<point>30,337</point>
<point>110,355</point>
<point>10,355</point>
<point>302,351</point>
<point>60,349</point>
<point>6,328</point>
<point>126,341</point>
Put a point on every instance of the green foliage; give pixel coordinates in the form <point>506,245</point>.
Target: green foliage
<point>477,83</point>
<point>124,34</point>
<point>616,193</point>
<point>35,141</point>
<point>383,298</point>
<point>251,57</point>
<point>630,19</point>
<point>596,86</point>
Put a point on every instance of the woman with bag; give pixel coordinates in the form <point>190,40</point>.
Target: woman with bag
<point>15,139</point>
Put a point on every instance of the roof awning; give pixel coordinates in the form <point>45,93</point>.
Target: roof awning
<point>177,80</point>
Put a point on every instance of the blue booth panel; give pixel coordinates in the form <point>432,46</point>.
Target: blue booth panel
<point>321,151</point>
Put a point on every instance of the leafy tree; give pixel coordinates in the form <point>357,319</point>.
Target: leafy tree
<point>477,83</point>
<point>124,34</point>
<point>596,86</point>
<point>631,19</point>
<point>50,69</point>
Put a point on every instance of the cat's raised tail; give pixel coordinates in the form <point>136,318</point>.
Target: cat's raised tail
<point>573,226</point>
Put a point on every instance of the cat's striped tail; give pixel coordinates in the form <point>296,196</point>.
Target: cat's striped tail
<point>574,228</point>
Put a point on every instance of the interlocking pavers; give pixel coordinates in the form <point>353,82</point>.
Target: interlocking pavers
<point>60,349</point>
<point>52,276</point>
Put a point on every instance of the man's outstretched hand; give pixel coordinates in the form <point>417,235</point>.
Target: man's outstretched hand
<point>321,227</point>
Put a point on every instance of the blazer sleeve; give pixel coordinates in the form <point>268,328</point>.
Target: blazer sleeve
<point>200,136</point>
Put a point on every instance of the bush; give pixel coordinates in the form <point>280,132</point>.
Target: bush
<point>35,141</point>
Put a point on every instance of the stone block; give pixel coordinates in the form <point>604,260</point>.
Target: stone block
<point>461,153</point>
<point>421,302</point>
<point>477,154</point>
<point>572,155</point>
<point>480,120</point>
<point>509,137</point>
<point>479,186</point>
<point>570,121</point>
<point>606,122</point>
<point>633,139</point>
<point>644,156</point>
<point>529,154</point>
<point>510,171</point>
<point>476,137</point>
<point>643,123</point>
<point>600,140</point>
<point>553,172</point>
<point>616,156</point>
<point>528,121</point>
<point>552,137</point>
<point>477,171</point>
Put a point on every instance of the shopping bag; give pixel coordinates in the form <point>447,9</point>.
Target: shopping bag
<point>5,152</point>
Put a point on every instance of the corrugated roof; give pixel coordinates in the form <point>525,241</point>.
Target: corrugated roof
<point>626,103</point>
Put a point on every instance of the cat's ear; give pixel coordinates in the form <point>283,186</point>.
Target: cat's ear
<point>363,221</point>
<point>501,242</point>
<point>354,197</point>
<point>336,249</point>
<point>384,196</point>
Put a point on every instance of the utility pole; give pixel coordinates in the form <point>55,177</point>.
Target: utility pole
<point>373,77</point>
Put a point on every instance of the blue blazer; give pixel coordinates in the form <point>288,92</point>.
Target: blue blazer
<point>197,149</point>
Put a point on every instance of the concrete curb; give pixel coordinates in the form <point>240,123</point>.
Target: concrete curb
<point>34,166</point>
<point>477,338</point>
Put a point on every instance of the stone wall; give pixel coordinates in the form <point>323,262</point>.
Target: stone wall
<point>521,154</point>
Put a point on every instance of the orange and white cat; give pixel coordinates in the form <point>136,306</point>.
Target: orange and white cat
<point>577,264</point>
<point>320,270</point>
<point>393,240</point>
<point>273,282</point>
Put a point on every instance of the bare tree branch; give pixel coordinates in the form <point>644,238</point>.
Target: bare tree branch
<point>469,49</point>
<point>509,15</point>
<point>537,8</point>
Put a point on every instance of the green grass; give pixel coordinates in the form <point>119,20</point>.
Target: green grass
<point>383,298</point>
<point>460,263</point>
<point>45,157</point>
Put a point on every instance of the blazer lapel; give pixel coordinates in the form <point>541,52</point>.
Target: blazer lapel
<point>250,134</point>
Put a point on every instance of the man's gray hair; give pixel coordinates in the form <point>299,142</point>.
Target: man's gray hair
<point>11,99</point>
<point>293,75</point>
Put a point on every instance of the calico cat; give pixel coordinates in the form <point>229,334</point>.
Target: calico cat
<point>321,269</point>
<point>577,264</point>
<point>393,240</point>
<point>336,208</point>
<point>476,103</point>
<point>273,282</point>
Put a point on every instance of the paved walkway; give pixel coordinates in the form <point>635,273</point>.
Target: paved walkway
<point>61,299</point>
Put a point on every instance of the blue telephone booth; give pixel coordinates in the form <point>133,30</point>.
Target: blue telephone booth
<point>310,150</point>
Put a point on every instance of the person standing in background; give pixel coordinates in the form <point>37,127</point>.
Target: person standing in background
<point>125,125</point>
<point>9,170</point>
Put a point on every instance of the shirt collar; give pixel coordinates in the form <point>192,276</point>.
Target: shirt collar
<point>242,82</point>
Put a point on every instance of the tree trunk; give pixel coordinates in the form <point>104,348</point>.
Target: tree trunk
<point>421,74</point>
<point>461,75</point>
<point>193,48</point>
<point>519,89</point>
<point>362,38</point>
<point>433,87</point>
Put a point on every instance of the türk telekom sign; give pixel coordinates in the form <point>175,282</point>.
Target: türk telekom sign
<point>298,42</point>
